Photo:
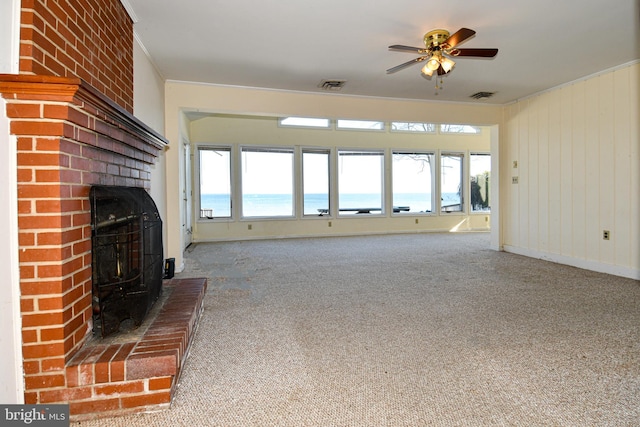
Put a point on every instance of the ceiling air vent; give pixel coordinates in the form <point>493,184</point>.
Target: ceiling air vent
<point>332,85</point>
<point>482,95</point>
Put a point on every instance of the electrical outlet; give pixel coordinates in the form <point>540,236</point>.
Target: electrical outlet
<point>515,164</point>
<point>514,179</point>
<point>417,220</point>
<point>329,224</point>
<point>250,227</point>
<point>606,234</point>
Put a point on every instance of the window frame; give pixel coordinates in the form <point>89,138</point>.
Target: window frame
<point>303,126</point>
<point>413,132</point>
<point>471,210</point>
<point>198,183</point>
<point>241,184</point>
<point>329,153</point>
<point>364,152</point>
<point>383,125</point>
<point>433,178</point>
<point>441,131</point>
<point>462,185</point>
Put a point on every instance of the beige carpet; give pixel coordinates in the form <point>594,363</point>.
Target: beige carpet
<point>404,330</point>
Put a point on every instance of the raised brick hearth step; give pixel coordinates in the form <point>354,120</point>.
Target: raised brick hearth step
<point>104,380</point>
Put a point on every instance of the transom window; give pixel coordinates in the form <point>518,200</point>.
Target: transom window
<point>445,128</point>
<point>413,127</point>
<point>360,124</point>
<point>304,122</point>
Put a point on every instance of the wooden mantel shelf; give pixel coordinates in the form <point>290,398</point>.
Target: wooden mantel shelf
<point>76,91</point>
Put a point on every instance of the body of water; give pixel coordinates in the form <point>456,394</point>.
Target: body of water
<point>261,205</point>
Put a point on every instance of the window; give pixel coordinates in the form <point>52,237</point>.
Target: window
<point>413,127</point>
<point>360,124</point>
<point>315,182</point>
<point>479,174</point>
<point>267,182</point>
<point>451,182</point>
<point>304,122</point>
<point>215,182</point>
<point>412,182</point>
<point>360,182</point>
<point>444,128</point>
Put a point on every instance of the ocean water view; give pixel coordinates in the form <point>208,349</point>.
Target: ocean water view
<point>264,205</point>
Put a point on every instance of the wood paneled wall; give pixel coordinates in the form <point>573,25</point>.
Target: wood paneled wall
<point>577,150</point>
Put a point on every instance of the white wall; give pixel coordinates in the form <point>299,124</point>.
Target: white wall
<point>9,36</point>
<point>11,378</point>
<point>148,106</point>
<point>578,154</point>
<point>192,97</point>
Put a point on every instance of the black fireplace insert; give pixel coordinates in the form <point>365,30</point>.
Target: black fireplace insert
<point>127,256</point>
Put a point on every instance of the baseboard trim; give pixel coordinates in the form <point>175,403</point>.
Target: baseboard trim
<point>586,264</point>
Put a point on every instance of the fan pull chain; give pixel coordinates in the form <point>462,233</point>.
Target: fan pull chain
<point>439,87</point>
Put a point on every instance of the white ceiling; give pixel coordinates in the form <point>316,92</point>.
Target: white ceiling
<point>295,44</point>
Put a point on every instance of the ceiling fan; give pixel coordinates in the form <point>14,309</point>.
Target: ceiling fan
<point>439,45</point>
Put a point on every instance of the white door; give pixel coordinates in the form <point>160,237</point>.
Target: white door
<point>187,196</point>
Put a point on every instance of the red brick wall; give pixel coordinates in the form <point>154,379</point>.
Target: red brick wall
<point>89,39</point>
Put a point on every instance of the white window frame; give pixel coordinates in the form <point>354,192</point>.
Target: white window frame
<point>471,210</point>
<point>434,181</point>
<point>351,124</point>
<point>241,188</point>
<point>301,122</point>
<point>355,152</point>
<point>329,154</point>
<point>463,182</point>
<point>413,131</point>
<point>462,129</point>
<point>198,181</point>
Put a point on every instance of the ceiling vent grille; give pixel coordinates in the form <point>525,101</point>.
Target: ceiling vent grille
<point>482,95</point>
<point>332,85</point>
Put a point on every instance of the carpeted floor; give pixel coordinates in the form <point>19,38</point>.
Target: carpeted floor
<point>404,330</point>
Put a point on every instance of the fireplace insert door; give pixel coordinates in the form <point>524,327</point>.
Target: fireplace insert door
<point>127,256</point>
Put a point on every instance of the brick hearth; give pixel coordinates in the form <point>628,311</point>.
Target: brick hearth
<point>142,373</point>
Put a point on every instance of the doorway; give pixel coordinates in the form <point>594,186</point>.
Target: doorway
<point>187,195</point>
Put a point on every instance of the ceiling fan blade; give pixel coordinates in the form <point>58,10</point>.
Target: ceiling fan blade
<point>408,48</point>
<point>482,53</point>
<point>406,64</point>
<point>458,37</point>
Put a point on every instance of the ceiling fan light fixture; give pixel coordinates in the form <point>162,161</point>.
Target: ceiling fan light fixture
<point>426,71</point>
<point>434,62</point>
<point>439,43</point>
<point>447,64</point>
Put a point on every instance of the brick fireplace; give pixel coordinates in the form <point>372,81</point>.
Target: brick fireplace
<point>70,112</point>
<point>70,137</point>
